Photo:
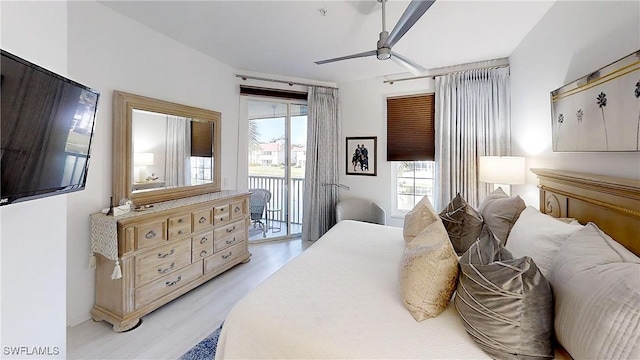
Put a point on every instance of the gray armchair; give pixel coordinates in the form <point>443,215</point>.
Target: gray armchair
<point>258,204</point>
<point>360,210</point>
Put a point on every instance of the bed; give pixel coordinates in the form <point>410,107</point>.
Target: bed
<point>340,298</point>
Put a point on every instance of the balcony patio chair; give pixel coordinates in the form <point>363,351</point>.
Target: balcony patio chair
<point>258,204</point>
<point>360,210</point>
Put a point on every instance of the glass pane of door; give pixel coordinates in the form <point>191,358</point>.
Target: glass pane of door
<point>298,159</point>
<point>272,162</point>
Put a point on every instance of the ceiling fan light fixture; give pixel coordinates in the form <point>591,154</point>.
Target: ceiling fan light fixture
<point>412,13</point>
<point>384,54</point>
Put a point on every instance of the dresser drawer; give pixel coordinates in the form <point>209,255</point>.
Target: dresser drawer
<point>226,230</point>
<point>146,274</point>
<point>149,234</point>
<point>168,283</point>
<point>202,246</point>
<point>201,253</point>
<point>237,210</point>
<point>219,259</point>
<point>201,220</point>
<point>221,214</point>
<point>179,226</point>
<point>165,254</point>
<point>233,238</point>
<point>202,241</point>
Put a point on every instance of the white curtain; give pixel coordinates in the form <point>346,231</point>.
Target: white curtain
<point>178,152</point>
<point>322,163</point>
<point>472,119</point>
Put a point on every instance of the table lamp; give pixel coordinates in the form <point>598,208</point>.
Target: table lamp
<point>141,161</point>
<point>501,171</point>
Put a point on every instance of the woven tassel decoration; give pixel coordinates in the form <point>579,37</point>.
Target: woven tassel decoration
<point>117,271</point>
<point>92,261</point>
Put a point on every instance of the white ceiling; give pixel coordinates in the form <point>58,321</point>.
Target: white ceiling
<point>286,37</point>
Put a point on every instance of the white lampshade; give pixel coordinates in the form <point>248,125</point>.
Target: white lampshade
<point>501,169</point>
<point>142,159</point>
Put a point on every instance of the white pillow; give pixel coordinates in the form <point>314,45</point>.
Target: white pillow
<point>596,285</point>
<point>538,236</point>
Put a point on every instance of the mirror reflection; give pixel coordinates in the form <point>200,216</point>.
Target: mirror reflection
<point>163,150</point>
<point>170,151</point>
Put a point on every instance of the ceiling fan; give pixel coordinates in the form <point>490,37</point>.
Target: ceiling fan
<point>414,11</point>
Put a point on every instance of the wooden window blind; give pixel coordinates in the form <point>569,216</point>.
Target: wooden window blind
<point>410,128</point>
<point>201,139</point>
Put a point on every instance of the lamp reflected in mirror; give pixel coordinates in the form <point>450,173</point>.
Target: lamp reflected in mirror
<point>141,161</point>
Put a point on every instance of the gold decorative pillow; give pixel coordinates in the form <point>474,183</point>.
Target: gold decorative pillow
<point>428,272</point>
<point>418,218</point>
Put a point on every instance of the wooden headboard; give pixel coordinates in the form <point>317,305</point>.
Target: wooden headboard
<point>610,202</point>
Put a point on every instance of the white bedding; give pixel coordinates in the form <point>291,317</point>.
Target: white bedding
<point>341,299</point>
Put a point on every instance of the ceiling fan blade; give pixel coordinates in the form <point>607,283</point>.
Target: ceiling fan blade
<point>410,65</point>
<point>414,11</point>
<point>354,56</point>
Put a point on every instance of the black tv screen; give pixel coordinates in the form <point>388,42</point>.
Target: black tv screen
<point>46,127</point>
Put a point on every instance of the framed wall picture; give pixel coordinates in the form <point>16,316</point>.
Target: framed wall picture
<point>600,111</point>
<point>361,155</point>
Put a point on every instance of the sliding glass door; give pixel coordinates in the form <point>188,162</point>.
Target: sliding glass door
<point>276,158</point>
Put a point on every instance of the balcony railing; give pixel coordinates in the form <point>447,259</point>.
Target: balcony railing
<point>276,185</point>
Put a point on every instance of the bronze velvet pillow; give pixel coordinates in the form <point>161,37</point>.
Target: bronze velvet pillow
<point>505,304</point>
<point>463,224</point>
<point>500,212</point>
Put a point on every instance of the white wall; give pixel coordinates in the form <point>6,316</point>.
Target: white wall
<point>573,39</point>
<point>363,107</point>
<point>33,235</point>
<point>110,52</point>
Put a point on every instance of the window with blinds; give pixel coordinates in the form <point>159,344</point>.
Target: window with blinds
<point>410,128</point>
<point>201,139</point>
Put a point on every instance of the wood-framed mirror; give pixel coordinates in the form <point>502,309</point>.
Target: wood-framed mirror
<point>163,150</point>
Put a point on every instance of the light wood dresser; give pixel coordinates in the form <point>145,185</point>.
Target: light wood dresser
<point>166,251</point>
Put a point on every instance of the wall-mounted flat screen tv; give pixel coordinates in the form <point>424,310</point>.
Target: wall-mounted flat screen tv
<point>46,128</point>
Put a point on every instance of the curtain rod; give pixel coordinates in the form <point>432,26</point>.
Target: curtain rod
<point>291,83</point>
<point>478,65</point>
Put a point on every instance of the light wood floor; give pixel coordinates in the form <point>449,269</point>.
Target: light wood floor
<point>170,331</point>
<point>276,229</point>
